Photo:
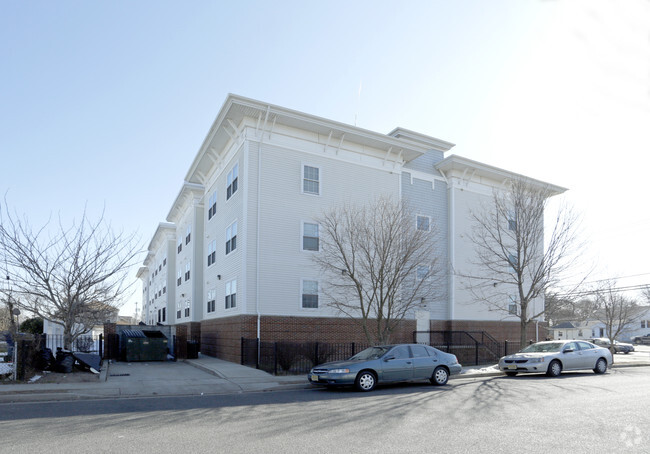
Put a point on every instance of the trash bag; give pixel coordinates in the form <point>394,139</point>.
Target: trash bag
<point>64,361</point>
<point>45,360</point>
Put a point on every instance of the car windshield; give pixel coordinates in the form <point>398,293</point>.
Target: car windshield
<point>542,348</point>
<point>370,353</point>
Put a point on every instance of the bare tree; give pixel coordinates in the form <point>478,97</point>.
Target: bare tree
<point>72,276</point>
<point>378,265</point>
<point>516,265</point>
<point>616,311</point>
<point>567,308</point>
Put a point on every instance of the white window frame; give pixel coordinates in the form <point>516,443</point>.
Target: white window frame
<point>232,181</point>
<point>303,236</point>
<point>231,290</point>
<point>304,179</point>
<point>513,306</point>
<point>188,234</point>
<point>212,252</point>
<point>187,271</point>
<point>302,294</point>
<point>418,274</point>
<point>229,238</point>
<point>212,301</point>
<point>179,278</point>
<point>212,205</point>
<point>417,222</point>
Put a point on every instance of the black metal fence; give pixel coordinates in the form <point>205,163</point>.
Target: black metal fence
<point>293,358</point>
<point>472,348</point>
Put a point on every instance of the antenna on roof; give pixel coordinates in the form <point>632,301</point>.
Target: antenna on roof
<point>358,102</point>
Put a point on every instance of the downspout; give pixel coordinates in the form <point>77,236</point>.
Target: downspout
<point>451,223</point>
<point>257,228</point>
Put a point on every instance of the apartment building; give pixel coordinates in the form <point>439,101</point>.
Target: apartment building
<point>234,258</point>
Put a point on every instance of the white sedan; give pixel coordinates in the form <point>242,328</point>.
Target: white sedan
<point>553,357</point>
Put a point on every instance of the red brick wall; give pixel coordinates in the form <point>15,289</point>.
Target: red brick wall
<point>221,338</point>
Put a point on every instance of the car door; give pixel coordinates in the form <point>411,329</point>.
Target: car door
<point>398,364</point>
<point>589,355</point>
<point>572,356</point>
<point>423,362</point>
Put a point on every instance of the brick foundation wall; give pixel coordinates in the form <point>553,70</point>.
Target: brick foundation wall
<point>221,338</point>
<point>501,331</point>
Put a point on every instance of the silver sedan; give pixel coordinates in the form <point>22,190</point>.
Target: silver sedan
<point>553,357</point>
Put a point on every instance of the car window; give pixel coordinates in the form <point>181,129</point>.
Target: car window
<point>432,351</point>
<point>419,351</point>
<point>543,347</point>
<point>571,345</point>
<point>584,345</point>
<point>369,353</point>
<point>401,352</point>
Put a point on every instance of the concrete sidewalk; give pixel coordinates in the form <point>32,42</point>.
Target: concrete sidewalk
<point>196,377</point>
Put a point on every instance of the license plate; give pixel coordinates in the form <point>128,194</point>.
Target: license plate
<point>512,366</point>
<point>314,378</point>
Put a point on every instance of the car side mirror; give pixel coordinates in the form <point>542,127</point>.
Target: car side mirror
<point>568,350</point>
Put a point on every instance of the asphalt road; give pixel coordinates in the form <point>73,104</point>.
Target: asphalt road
<point>575,413</point>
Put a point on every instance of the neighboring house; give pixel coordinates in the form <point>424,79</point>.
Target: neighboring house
<point>234,257</point>
<point>577,330</point>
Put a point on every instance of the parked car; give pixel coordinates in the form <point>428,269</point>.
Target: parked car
<point>619,347</point>
<point>553,357</point>
<point>645,339</point>
<point>386,364</point>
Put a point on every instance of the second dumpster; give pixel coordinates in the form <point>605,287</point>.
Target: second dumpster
<point>140,345</point>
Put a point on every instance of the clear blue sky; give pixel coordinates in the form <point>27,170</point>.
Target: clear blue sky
<point>106,103</point>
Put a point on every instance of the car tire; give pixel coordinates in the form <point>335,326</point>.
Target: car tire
<point>601,366</point>
<point>511,374</point>
<point>440,376</point>
<point>366,381</point>
<point>554,369</point>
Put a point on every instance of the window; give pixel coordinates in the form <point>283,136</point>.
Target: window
<point>512,220</point>
<point>423,223</point>
<point>179,277</point>
<point>311,180</point>
<point>422,272</point>
<point>180,246</point>
<point>419,351</point>
<point>231,238</point>
<point>160,267</point>
<point>231,294</point>
<point>164,289</point>
<point>188,234</point>
<point>512,307</point>
<point>309,237</point>
<point>187,271</point>
<point>187,312</point>
<point>232,181</point>
<point>310,294</point>
<point>644,323</point>
<point>512,259</point>
<point>178,313</point>
<point>165,261</point>
<point>212,252</point>
<point>164,314</point>
<point>212,205</point>
<point>212,296</point>
<point>159,315</point>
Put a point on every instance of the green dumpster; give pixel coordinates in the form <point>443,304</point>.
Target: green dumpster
<point>140,345</point>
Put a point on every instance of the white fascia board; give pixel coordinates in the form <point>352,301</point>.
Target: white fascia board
<point>409,144</point>
<point>188,192</point>
<point>142,273</point>
<point>162,231</point>
<point>457,166</point>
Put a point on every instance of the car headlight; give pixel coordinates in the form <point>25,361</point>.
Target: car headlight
<point>338,371</point>
<point>536,360</point>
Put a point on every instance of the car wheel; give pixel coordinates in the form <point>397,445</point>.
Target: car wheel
<point>554,369</point>
<point>511,374</point>
<point>365,381</point>
<point>601,366</point>
<point>440,376</point>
